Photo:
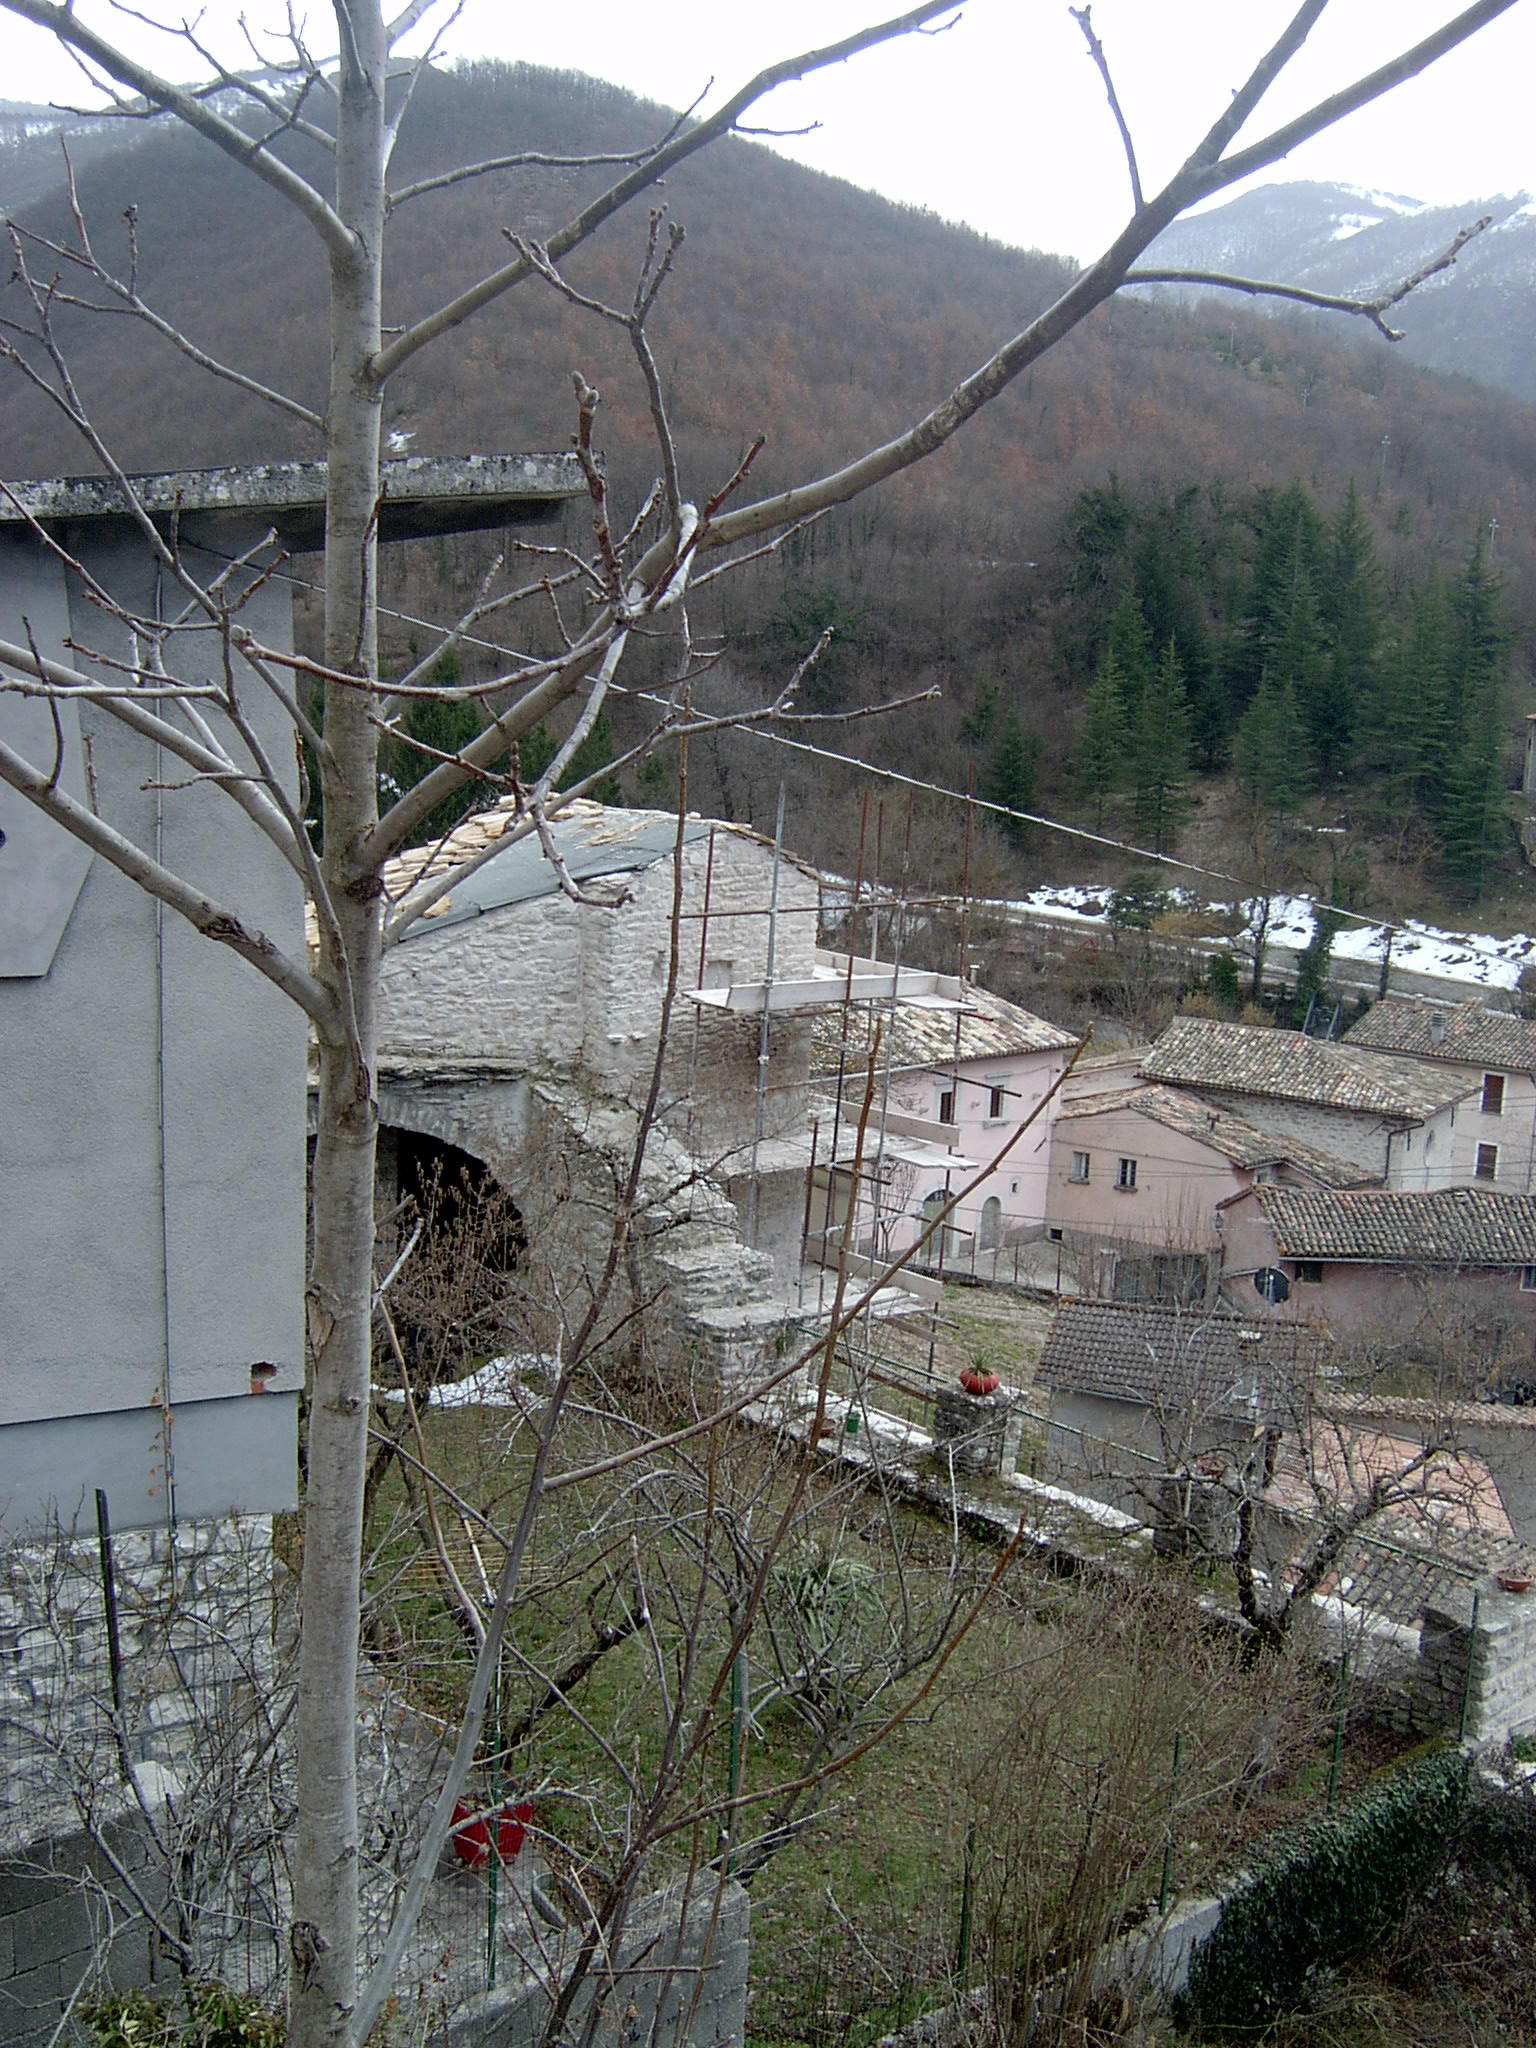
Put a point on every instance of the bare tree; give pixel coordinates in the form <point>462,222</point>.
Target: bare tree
<point>636,570</point>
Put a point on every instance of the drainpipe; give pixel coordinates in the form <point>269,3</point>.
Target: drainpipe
<point>167,1444</point>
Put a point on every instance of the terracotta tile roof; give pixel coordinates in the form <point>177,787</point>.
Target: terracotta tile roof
<point>1245,1144</point>
<point>1375,1226</point>
<point>1131,1351</point>
<point>1468,1034</point>
<point>1287,1066</point>
<point>991,1028</point>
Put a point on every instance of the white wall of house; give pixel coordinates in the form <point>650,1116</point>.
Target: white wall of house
<point>1486,1140</point>
<point>1432,1154</point>
<point>988,1102</point>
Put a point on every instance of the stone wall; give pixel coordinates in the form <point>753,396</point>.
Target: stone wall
<point>68,1917</point>
<point>555,988</point>
<point>679,1978</point>
<point>110,1814</point>
<point>1495,1672</point>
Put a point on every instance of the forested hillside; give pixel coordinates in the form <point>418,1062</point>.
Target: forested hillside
<point>1280,565</point>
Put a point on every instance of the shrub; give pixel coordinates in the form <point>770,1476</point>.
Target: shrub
<point>208,2016</point>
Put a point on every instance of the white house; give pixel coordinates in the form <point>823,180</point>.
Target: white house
<point>1493,1056</point>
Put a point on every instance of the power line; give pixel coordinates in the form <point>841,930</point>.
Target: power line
<point>899,778</point>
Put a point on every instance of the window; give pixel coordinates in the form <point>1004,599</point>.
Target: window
<point>1080,1168</point>
<point>1310,1272</point>
<point>1493,1095</point>
<point>1487,1167</point>
<point>947,1106</point>
<point>997,1098</point>
<point>1528,1279</point>
<point>1125,1177</point>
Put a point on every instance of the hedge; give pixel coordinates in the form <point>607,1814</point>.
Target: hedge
<point>1326,1893</point>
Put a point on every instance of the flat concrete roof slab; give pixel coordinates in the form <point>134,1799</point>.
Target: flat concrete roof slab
<point>422,495</point>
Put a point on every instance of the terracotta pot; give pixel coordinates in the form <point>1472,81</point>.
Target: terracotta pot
<point>472,1832</point>
<point>1514,1582</point>
<point>975,1382</point>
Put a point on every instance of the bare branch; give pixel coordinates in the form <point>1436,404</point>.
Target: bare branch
<point>1205,172</point>
<point>131,303</point>
<point>1367,309</point>
<point>1096,51</point>
<point>1326,113</point>
<point>61,21</point>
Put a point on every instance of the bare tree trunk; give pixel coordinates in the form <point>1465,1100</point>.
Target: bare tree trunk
<point>323,1984</point>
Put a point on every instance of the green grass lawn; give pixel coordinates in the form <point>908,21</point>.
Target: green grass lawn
<point>1046,1742</point>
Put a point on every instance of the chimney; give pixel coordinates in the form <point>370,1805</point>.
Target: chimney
<point>1437,1028</point>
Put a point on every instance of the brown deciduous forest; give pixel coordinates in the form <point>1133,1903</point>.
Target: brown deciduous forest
<point>1202,576</point>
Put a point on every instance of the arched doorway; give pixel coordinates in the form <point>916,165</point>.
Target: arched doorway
<point>991,1233</point>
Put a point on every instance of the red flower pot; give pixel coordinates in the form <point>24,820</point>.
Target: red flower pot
<point>472,1832</point>
<point>975,1382</point>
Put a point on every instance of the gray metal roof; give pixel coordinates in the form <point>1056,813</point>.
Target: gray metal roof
<point>593,842</point>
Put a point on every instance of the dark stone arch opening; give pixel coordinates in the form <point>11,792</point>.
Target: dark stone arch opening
<point>456,1301</point>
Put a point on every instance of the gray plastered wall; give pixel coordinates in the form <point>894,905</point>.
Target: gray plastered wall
<point>148,1260</point>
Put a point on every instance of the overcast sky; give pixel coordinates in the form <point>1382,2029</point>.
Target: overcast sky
<point>1001,121</point>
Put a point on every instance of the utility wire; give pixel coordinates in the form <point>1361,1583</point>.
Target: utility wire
<point>1105,841</point>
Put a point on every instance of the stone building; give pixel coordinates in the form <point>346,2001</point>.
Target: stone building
<point>1394,1119</point>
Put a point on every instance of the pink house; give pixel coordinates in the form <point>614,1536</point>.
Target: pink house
<point>1371,1263</point>
<point>1137,1176</point>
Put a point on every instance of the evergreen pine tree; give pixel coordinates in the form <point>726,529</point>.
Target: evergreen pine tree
<point>1267,755</point>
<point>1010,776</point>
<point>1130,648</point>
<point>1354,615</point>
<point>1100,759</point>
<point>1161,753</point>
<point>1471,796</point>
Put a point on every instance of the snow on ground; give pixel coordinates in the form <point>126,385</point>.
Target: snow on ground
<point>499,1383</point>
<point>1474,958</point>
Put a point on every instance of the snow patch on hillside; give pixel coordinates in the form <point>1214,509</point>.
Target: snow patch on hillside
<point>1472,958</point>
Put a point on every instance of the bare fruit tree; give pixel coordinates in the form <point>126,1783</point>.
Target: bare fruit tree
<point>352,107</point>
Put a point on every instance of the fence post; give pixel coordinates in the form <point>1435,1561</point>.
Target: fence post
<point>114,1646</point>
<point>1338,1730</point>
<point>1173,1800</point>
<point>963,1947</point>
